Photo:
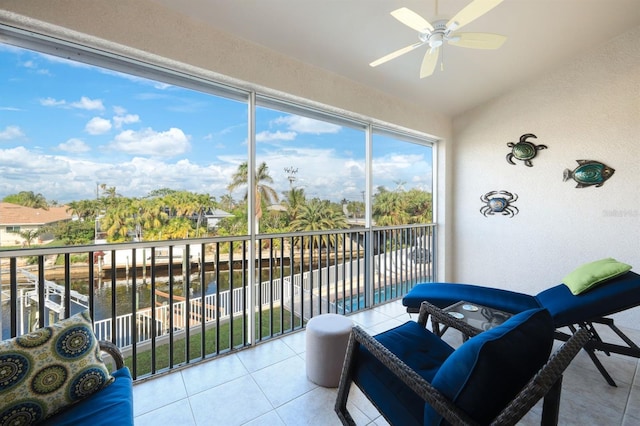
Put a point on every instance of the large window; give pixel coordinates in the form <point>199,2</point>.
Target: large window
<point>402,180</point>
<point>141,153</point>
<point>316,167</point>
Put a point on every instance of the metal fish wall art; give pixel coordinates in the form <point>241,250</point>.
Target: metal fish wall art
<point>589,173</point>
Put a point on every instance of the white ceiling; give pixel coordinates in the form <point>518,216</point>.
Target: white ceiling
<point>344,36</point>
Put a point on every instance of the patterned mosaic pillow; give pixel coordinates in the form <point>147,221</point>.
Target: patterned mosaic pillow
<point>49,369</point>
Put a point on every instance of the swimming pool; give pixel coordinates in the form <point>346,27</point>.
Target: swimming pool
<point>352,304</point>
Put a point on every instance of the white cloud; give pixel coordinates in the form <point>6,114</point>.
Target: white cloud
<point>52,102</point>
<point>30,165</point>
<point>98,126</point>
<point>267,136</point>
<point>88,104</point>
<point>11,132</point>
<point>83,103</point>
<point>151,143</point>
<point>121,119</point>
<point>322,172</point>
<point>74,145</point>
<point>307,125</point>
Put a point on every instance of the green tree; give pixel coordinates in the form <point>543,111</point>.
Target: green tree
<point>177,228</point>
<point>419,206</point>
<point>28,199</point>
<point>226,202</point>
<point>189,204</point>
<point>74,232</point>
<point>84,209</point>
<point>28,235</point>
<point>390,208</point>
<point>294,199</point>
<point>319,215</point>
<point>264,193</point>
<point>116,221</point>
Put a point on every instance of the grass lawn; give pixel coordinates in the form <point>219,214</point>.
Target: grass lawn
<point>212,337</point>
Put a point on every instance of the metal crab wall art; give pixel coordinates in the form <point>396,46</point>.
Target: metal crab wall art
<point>524,150</point>
<point>499,202</point>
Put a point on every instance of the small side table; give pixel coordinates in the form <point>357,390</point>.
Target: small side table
<point>478,316</point>
<point>327,337</point>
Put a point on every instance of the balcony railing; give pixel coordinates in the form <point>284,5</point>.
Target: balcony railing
<point>175,302</point>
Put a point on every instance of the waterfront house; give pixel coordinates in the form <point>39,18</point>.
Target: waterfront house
<point>15,219</point>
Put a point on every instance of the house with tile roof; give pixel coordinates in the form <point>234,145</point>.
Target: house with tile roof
<point>15,218</point>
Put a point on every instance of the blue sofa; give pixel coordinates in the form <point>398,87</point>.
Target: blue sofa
<point>112,405</point>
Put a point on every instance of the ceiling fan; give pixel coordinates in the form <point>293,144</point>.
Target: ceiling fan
<point>435,35</point>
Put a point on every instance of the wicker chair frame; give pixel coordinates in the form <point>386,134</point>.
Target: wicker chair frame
<point>113,351</point>
<point>547,383</point>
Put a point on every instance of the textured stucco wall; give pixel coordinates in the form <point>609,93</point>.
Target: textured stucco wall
<point>588,109</point>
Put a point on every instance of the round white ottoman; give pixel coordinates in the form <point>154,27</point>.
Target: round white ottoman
<point>327,339</point>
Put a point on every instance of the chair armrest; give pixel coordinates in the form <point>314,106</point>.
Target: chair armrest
<point>114,351</point>
<point>546,378</point>
<point>442,317</point>
<point>405,373</point>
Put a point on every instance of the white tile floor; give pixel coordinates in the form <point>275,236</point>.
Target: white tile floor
<point>267,385</point>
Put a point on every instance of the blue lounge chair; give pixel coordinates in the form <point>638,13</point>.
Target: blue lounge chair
<point>567,310</point>
<point>415,378</point>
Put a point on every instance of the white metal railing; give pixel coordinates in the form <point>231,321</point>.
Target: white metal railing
<point>270,290</point>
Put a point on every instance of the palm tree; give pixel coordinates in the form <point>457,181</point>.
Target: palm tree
<point>28,236</point>
<point>294,200</point>
<point>420,206</point>
<point>318,215</point>
<point>188,204</point>
<point>84,209</point>
<point>390,208</point>
<point>28,199</point>
<point>177,228</point>
<point>263,192</point>
<point>226,202</point>
<point>117,219</point>
<point>204,203</point>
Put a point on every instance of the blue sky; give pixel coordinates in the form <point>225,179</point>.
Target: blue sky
<point>66,127</point>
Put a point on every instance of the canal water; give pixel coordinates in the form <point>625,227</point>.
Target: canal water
<point>124,294</point>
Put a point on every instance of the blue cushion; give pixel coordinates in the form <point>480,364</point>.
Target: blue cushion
<point>488,370</point>
<point>112,405</point>
<point>615,295</point>
<point>446,294</point>
<point>417,347</point>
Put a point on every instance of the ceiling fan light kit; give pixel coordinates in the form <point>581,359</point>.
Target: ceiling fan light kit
<point>434,35</point>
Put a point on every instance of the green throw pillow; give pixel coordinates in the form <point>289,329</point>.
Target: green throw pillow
<point>591,274</point>
<point>49,369</point>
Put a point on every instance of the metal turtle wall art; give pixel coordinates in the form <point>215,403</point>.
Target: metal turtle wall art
<point>589,173</point>
<point>499,202</point>
<point>524,150</point>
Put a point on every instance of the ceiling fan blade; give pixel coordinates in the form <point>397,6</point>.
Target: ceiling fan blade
<point>395,54</point>
<point>471,12</point>
<point>412,20</point>
<point>477,40</point>
<point>429,62</point>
